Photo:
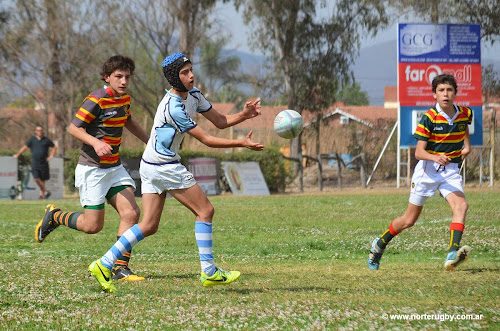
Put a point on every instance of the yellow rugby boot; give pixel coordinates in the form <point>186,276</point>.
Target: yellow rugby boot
<point>454,259</point>
<point>220,277</point>
<point>46,224</point>
<point>124,273</point>
<point>103,276</point>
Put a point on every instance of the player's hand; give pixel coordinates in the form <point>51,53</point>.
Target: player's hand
<point>102,149</point>
<point>443,160</point>
<point>248,143</point>
<point>251,109</point>
<point>465,152</point>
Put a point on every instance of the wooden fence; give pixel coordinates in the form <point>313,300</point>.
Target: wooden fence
<point>359,160</point>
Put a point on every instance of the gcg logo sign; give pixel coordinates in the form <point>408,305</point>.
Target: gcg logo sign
<point>420,39</point>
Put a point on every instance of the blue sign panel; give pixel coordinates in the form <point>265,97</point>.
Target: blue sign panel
<point>439,43</point>
<point>410,117</point>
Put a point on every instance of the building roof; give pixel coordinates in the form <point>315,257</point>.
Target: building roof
<point>15,114</point>
<point>265,120</point>
<point>367,115</point>
<point>391,94</point>
<point>224,108</point>
<point>372,114</point>
<point>391,97</point>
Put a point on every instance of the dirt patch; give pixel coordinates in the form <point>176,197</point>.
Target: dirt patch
<point>351,182</point>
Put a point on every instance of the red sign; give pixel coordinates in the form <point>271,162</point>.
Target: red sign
<point>415,80</point>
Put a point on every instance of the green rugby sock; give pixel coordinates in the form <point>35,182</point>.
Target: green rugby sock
<point>66,218</point>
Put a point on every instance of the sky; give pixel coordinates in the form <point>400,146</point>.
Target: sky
<point>230,17</point>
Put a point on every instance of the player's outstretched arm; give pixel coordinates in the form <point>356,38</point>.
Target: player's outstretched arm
<point>217,142</point>
<point>250,110</point>
<point>248,143</point>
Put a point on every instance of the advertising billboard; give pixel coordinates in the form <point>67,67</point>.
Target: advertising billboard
<point>428,50</point>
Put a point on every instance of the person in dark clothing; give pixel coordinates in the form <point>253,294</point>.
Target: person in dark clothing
<point>39,146</point>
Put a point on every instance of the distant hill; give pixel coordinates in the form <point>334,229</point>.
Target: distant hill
<point>375,68</point>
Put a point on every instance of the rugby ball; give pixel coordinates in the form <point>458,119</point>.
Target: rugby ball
<point>288,124</point>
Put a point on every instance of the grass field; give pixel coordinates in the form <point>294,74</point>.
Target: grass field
<point>302,258</point>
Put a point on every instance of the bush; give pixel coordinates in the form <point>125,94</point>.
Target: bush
<point>270,161</point>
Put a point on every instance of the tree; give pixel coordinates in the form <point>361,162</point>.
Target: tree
<point>45,51</point>
<point>193,17</point>
<point>147,35</point>
<point>229,93</point>
<point>486,13</point>
<point>218,70</point>
<point>52,50</point>
<point>352,95</point>
<point>312,46</point>
<point>157,28</point>
<point>491,91</point>
<point>491,83</point>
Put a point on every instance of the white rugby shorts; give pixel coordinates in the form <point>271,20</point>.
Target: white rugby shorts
<point>93,183</point>
<point>165,177</point>
<point>430,176</point>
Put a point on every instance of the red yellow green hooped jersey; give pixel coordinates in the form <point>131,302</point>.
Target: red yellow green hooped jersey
<point>443,136</point>
<point>103,116</point>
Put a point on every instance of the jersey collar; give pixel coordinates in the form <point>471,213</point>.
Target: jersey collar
<point>110,92</point>
<point>443,113</point>
<point>174,95</point>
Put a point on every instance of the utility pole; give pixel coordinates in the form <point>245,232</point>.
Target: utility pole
<point>492,143</point>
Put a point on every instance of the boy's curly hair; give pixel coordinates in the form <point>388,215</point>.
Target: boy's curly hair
<point>444,79</point>
<point>117,62</point>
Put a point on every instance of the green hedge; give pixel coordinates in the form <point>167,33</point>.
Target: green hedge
<point>273,166</point>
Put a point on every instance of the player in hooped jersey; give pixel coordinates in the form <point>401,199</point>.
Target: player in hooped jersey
<point>161,170</point>
<point>99,175</point>
<point>443,142</point>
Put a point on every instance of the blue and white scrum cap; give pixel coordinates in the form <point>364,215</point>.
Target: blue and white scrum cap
<point>172,65</point>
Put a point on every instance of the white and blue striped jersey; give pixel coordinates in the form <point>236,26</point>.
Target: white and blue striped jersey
<point>174,117</point>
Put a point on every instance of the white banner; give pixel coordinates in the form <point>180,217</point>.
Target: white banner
<point>204,170</point>
<point>245,178</point>
<point>8,177</point>
<point>55,185</point>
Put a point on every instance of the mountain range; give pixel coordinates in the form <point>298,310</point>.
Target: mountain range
<point>374,69</point>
